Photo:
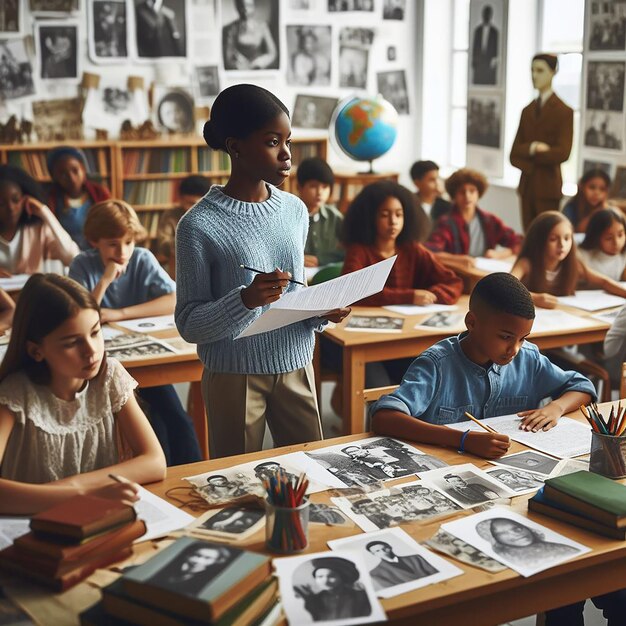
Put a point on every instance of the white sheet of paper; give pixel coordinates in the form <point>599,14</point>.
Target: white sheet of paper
<point>592,300</point>
<point>302,304</point>
<point>568,438</point>
<point>548,320</point>
<point>515,540</point>
<point>414,309</point>
<point>15,282</point>
<point>149,324</point>
<point>607,316</point>
<point>11,528</point>
<point>160,516</point>
<point>309,272</point>
<point>108,332</point>
<point>492,265</point>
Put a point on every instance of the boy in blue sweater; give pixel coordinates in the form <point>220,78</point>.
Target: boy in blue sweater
<point>489,370</point>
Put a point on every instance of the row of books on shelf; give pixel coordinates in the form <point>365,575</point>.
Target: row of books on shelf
<point>34,162</point>
<point>301,151</point>
<point>212,160</point>
<point>150,192</point>
<point>156,161</point>
<point>150,221</point>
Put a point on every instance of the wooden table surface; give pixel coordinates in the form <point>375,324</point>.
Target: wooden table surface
<point>360,348</point>
<point>476,598</point>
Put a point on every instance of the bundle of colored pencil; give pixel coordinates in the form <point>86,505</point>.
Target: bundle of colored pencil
<point>614,428</point>
<point>285,494</point>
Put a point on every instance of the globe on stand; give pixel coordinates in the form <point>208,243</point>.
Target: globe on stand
<point>364,128</point>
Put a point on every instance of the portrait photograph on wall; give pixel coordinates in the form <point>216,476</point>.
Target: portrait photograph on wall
<point>108,37</point>
<point>250,37</point>
<point>605,85</point>
<point>487,35</point>
<point>354,47</point>
<point>16,70</point>
<point>313,111</point>
<point>207,81</point>
<point>173,109</point>
<point>160,28</point>
<point>309,51</point>
<point>392,87</point>
<point>10,16</point>
<point>57,45</point>
<point>607,31</point>
<point>484,120</point>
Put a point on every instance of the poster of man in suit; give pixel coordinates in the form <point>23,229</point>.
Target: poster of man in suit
<point>486,28</point>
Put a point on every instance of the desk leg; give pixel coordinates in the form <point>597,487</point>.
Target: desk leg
<point>317,369</point>
<point>195,408</point>
<point>353,385</point>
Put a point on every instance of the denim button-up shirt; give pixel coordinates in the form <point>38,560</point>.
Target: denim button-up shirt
<point>442,383</point>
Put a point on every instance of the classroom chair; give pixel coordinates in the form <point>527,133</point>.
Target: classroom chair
<point>328,272</point>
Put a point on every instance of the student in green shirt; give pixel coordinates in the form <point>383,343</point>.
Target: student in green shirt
<point>315,184</point>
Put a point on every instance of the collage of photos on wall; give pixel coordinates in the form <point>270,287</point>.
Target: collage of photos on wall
<point>322,60</point>
<point>486,80</point>
<point>604,136</point>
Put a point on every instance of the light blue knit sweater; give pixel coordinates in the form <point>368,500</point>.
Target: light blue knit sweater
<point>212,240</point>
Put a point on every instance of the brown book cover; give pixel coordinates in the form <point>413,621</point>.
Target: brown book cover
<point>82,516</point>
<point>31,544</point>
<point>9,562</point>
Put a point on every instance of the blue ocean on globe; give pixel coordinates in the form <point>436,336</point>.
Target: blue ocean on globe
<point>365,128</point>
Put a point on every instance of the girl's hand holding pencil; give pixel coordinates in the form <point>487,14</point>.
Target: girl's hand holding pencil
<point>265,288</point>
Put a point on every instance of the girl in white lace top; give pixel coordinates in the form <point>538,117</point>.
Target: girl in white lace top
<point>64,406</point>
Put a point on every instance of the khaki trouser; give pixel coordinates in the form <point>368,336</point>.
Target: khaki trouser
<point>238,405</point>
<point>531,207</point>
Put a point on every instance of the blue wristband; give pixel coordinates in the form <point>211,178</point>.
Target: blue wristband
<point>462,445</point>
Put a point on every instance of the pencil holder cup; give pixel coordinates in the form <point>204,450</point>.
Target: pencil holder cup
<point>287,529</point>
<point>608,455</point>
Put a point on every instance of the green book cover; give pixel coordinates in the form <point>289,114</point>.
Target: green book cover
<point>595,490</point>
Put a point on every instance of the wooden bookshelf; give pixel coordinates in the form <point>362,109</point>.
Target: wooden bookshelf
<point>348,185</point>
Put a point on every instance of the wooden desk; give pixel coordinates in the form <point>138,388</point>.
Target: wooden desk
<point>360,348</point>
<point>179,368</point>
<point>477,598</point>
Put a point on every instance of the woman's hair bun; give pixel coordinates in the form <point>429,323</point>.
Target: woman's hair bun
<point>211,138</point>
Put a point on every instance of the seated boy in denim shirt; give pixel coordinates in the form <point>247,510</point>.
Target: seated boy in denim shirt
<point>488,370</point>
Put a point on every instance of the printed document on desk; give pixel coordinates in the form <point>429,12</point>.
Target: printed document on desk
<point>592,300</point>
<point>568,438</point>
<point>315,301</point>
<point>492,265</point>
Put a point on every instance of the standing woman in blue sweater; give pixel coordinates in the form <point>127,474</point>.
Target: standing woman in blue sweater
<point>248,221</point>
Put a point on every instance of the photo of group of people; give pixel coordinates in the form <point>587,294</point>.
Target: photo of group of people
<point>16,71</point>
<point>607,25</point>
<point>234,523</point>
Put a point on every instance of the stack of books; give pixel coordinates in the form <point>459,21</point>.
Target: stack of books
<point>586,500</point>
<point>72,539</point>
<point>192,582</point>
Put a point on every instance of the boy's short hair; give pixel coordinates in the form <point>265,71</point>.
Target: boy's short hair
<point>466,176</point>
<point>504,293</point>
<point>194,185</point>
<point>419,169</point>
<point>315,168</point>
<point>111,219</point>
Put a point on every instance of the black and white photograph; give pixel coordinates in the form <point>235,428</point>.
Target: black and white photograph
<point>368,461</point>
<point>605,85</point>
<point>301,5</point>
<point>607,28</point>
<point>16,70</point>
<point>234,522</point>
<point>173,110</point>
<point>108,38</point>
<point>486,42</point>
<point>396,562</point>
<point>189,572</point>
<point>116,101</point>
<point>207,81</point>
<point>161,28</point>
<point>589,164</point>
<point>386,508</point>
<point>313,111</point>
<point>484,120</point>
<point>137,352</point>
<point>392,53</point>
<point>10,16</point>
<point>529,461</point>
<point>460,550</point>
<point>569,466</point>
<point>604,129</point>
<point>394,9</point>
<point>354,46</point>
<point>350,5</point>
<point>380,323</point>
<point>123,340</point>
<point>329,587</point>
<point>519,481</point>
<point>466,484</point>
<point>618,190</point>
<point>514,540</point>
<point>53,7</point>
<point>392,86</point>
<point>58,120</point>
<point>250,37</point>
<point>443,319</point>
<point>57,44</point>
<point>320,513</point>
<point>106,108</point>
<point>309,50</point>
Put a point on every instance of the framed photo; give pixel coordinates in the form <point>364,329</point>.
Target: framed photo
<point>605,85</point>
<point>313,111</point>
<point>484,120</point>
<point>250,42</point>
<point>354,47</point>
<point>487,33</point>
<point>161,29</point>
<point>207,81</point>
<point>392,87</point>
<point>108,31</point>
<point>394,9</point>
<point>10,17</point>
<point>58,120</point>
<point>606,30</point>
<point>173,110</point>
<point>57,44</point>
<point>16,70</point>
<point>604,130</point>
<point>590,164</point>
<point>350,5</point>
<point>53,7</point>
<point>309,50</point>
